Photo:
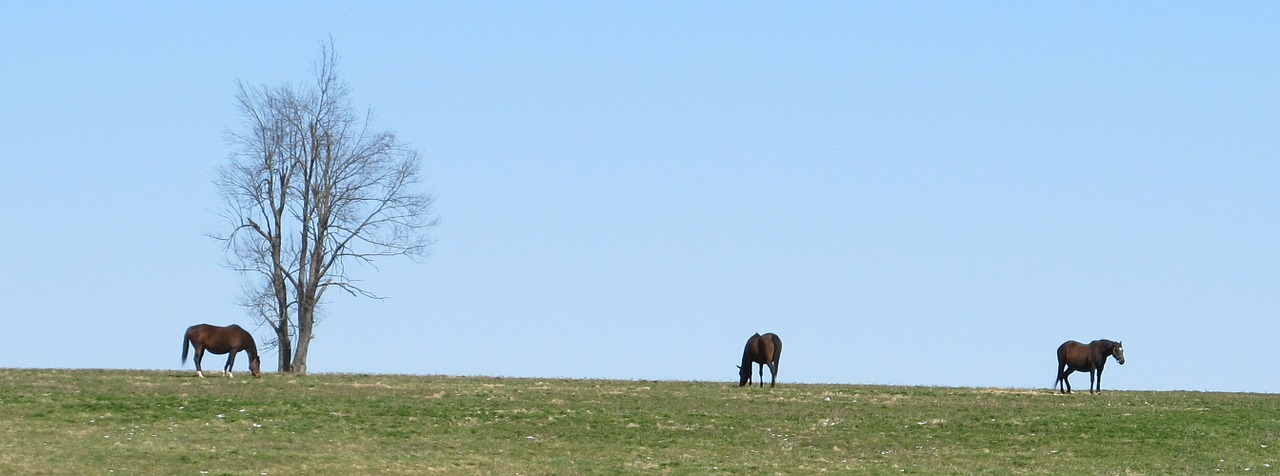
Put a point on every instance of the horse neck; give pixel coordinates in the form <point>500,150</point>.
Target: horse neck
<point>1100,351</point>
<point>748,352</point>
<point>1106,347</point>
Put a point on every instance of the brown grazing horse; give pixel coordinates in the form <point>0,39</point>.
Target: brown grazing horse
<point>764,350</point>
<point>221,340</point>
<point>1073,356</point>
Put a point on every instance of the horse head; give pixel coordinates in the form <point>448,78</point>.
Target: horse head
<point>1118,352</point>
<point>255,366</point>
<point>744,375</point>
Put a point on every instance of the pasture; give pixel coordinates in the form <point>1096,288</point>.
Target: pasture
<point>170,422</point>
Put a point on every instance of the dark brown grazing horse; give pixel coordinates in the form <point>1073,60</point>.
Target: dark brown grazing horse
<point>1073,356</point>
<point>221,340</point>
<point>764,350</point>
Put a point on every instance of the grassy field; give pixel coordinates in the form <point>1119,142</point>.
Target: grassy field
<point>153,422</point>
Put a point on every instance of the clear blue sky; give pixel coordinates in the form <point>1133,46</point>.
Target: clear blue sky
<point>921,193</point>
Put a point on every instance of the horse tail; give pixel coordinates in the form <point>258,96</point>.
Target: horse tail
<point>1062,374</point>
<point>186,343</point>
<point>1062,360</point>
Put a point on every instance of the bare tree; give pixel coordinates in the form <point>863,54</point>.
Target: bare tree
<point>311,188</point>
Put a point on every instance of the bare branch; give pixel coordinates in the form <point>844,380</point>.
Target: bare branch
<point>311,186</point>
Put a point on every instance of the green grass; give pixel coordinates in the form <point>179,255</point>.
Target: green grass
<point>136,422</point>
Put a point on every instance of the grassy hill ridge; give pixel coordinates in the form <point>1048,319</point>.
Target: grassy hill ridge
<point>169,422</point>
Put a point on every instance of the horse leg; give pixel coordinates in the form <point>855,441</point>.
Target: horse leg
<point>761,375</point>
<point>231,360</point>
<point>1099,380</point>
<point>1065,381</point>
<point>773,374</point>
<point>199,356</point>
<point>1091,375</point>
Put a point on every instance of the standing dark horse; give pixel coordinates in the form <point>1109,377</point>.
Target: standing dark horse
<point>764,350</point>
<point>221,340</point>
<point>1073,356</point>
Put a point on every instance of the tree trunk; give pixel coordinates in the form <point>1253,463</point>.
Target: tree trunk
<point>284,348</point>
<point>306,321</point>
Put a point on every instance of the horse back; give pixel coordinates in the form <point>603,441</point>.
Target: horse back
<point>1077,356</point>
<point>198,332</point>
<point>1066,348</point>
